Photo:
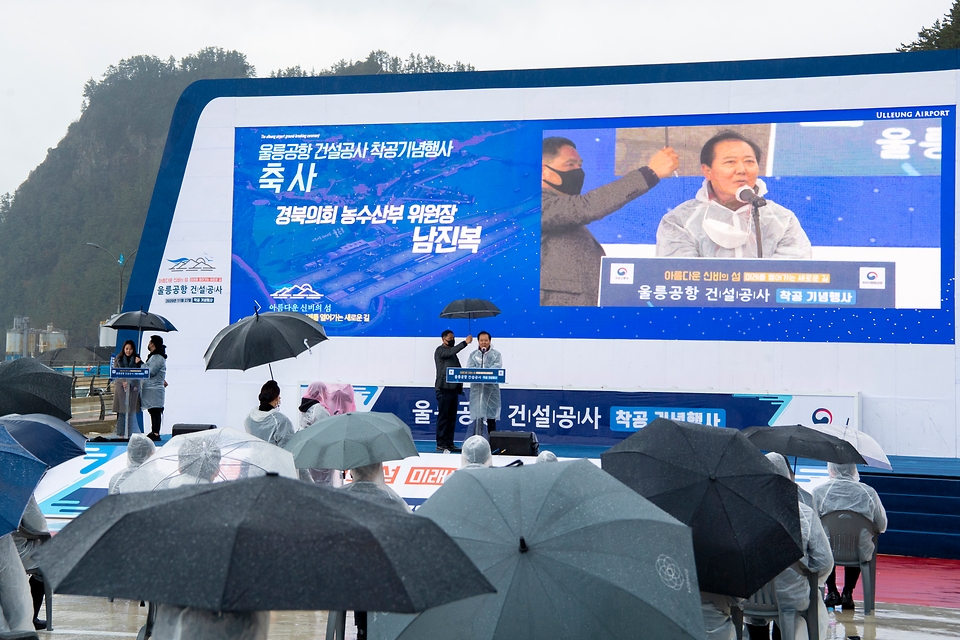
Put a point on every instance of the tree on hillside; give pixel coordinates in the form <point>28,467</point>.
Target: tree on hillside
<point>944,34</point>
<point>377,62</point>
<point>95,186</point>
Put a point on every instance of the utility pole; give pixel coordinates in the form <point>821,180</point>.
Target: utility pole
<point>122,261</point>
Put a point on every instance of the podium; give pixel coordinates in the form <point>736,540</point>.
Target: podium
<point>132,374</point>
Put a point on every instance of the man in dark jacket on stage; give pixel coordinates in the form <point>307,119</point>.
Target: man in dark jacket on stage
<point>447,393</point>
<point>569,254</point>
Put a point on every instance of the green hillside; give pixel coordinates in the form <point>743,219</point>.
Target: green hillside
<point>95,186</point>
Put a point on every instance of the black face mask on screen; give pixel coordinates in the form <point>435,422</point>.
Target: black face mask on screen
<point>571,182</point>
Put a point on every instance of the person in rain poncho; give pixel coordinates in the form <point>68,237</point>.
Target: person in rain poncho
<point>793,590</point>
<point>32,533</point>
<point>198,461</point>
<point>340,399</point>
<point>569,254</point>
<point>715,224</point>
<point>186,623</point>
<point>475,453</point>
<point>485,397</point>
<point>15,609</point>
<point>716,616</point>
<point>266,422</point>
<point>369,484</point>
<point>313,407</point>
<point>139,450</point>
<point>547,456</point>
<point>844,492</point>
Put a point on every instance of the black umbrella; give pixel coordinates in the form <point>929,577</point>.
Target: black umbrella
<point>26,386</point>
<point>744,515</point>
<point>267,543</point>
<point>140,321</point>
<point>262,339</point>
<point>803,442</point>
<point>470,308</point>
<point>50,439</point>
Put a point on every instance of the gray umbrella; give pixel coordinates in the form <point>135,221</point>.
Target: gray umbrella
<point>572,552</point>
<point>26,386</point>
<point>352,440</point>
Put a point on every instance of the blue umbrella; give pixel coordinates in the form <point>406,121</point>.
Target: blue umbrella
<point>48,438</point>
<point>20,474</point>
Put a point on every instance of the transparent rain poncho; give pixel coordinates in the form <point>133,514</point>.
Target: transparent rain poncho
<point>844,492</point>
<point>16,605</point>
<point>270,426</point>
<point>475,453</point>
<point>209,456</point>
<point>340,399</point>
<point>369,484</point>
<point>716,616</point>
<point>314,405</point>
<point>705,228</point>
<point>547,456</point>
<point>485,398</point>
<point>793,590</point>
<point>32,533</point>
<point>186,623</point>
<point>139,450</point>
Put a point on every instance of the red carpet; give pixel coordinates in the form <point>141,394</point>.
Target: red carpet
<point>920,581</point>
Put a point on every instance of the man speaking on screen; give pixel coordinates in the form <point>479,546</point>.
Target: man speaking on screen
<point>569,254</point>
<point>718,222</point>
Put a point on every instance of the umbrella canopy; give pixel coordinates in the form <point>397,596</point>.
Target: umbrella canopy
<point>869,448</point>
<point>352,440</point>
<point>262,339</point>
<point>20,473</point>
<point>209,456</point>
<point>140,321</point>
<point>572,552</point>
<point>744,515</point>
<point>26,386</point>
<point>265,543</point>
<point>50,439</point>
<point>797,440</point>
<point>470,308</point>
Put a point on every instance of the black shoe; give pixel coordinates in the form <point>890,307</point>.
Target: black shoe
<point>39,624</point>
<point>154,436</point>
<point>443,450</point>
<point>832,599</point>
<point>455,449</point>
<point>846,600</point>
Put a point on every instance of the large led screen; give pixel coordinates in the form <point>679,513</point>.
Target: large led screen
<point>374,228</point>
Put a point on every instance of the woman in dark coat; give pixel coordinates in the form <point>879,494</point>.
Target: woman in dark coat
<point>127,359</point>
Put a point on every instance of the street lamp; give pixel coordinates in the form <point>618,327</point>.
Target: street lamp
<point>122,261</point>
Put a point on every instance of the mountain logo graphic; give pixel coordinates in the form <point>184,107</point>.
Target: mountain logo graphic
<point>297,292</point>
<point>191,264</point>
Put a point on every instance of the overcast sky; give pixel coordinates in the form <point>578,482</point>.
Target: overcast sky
<point>50,48</point>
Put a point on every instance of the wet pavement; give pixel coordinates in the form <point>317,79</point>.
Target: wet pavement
<point>82,618</point>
